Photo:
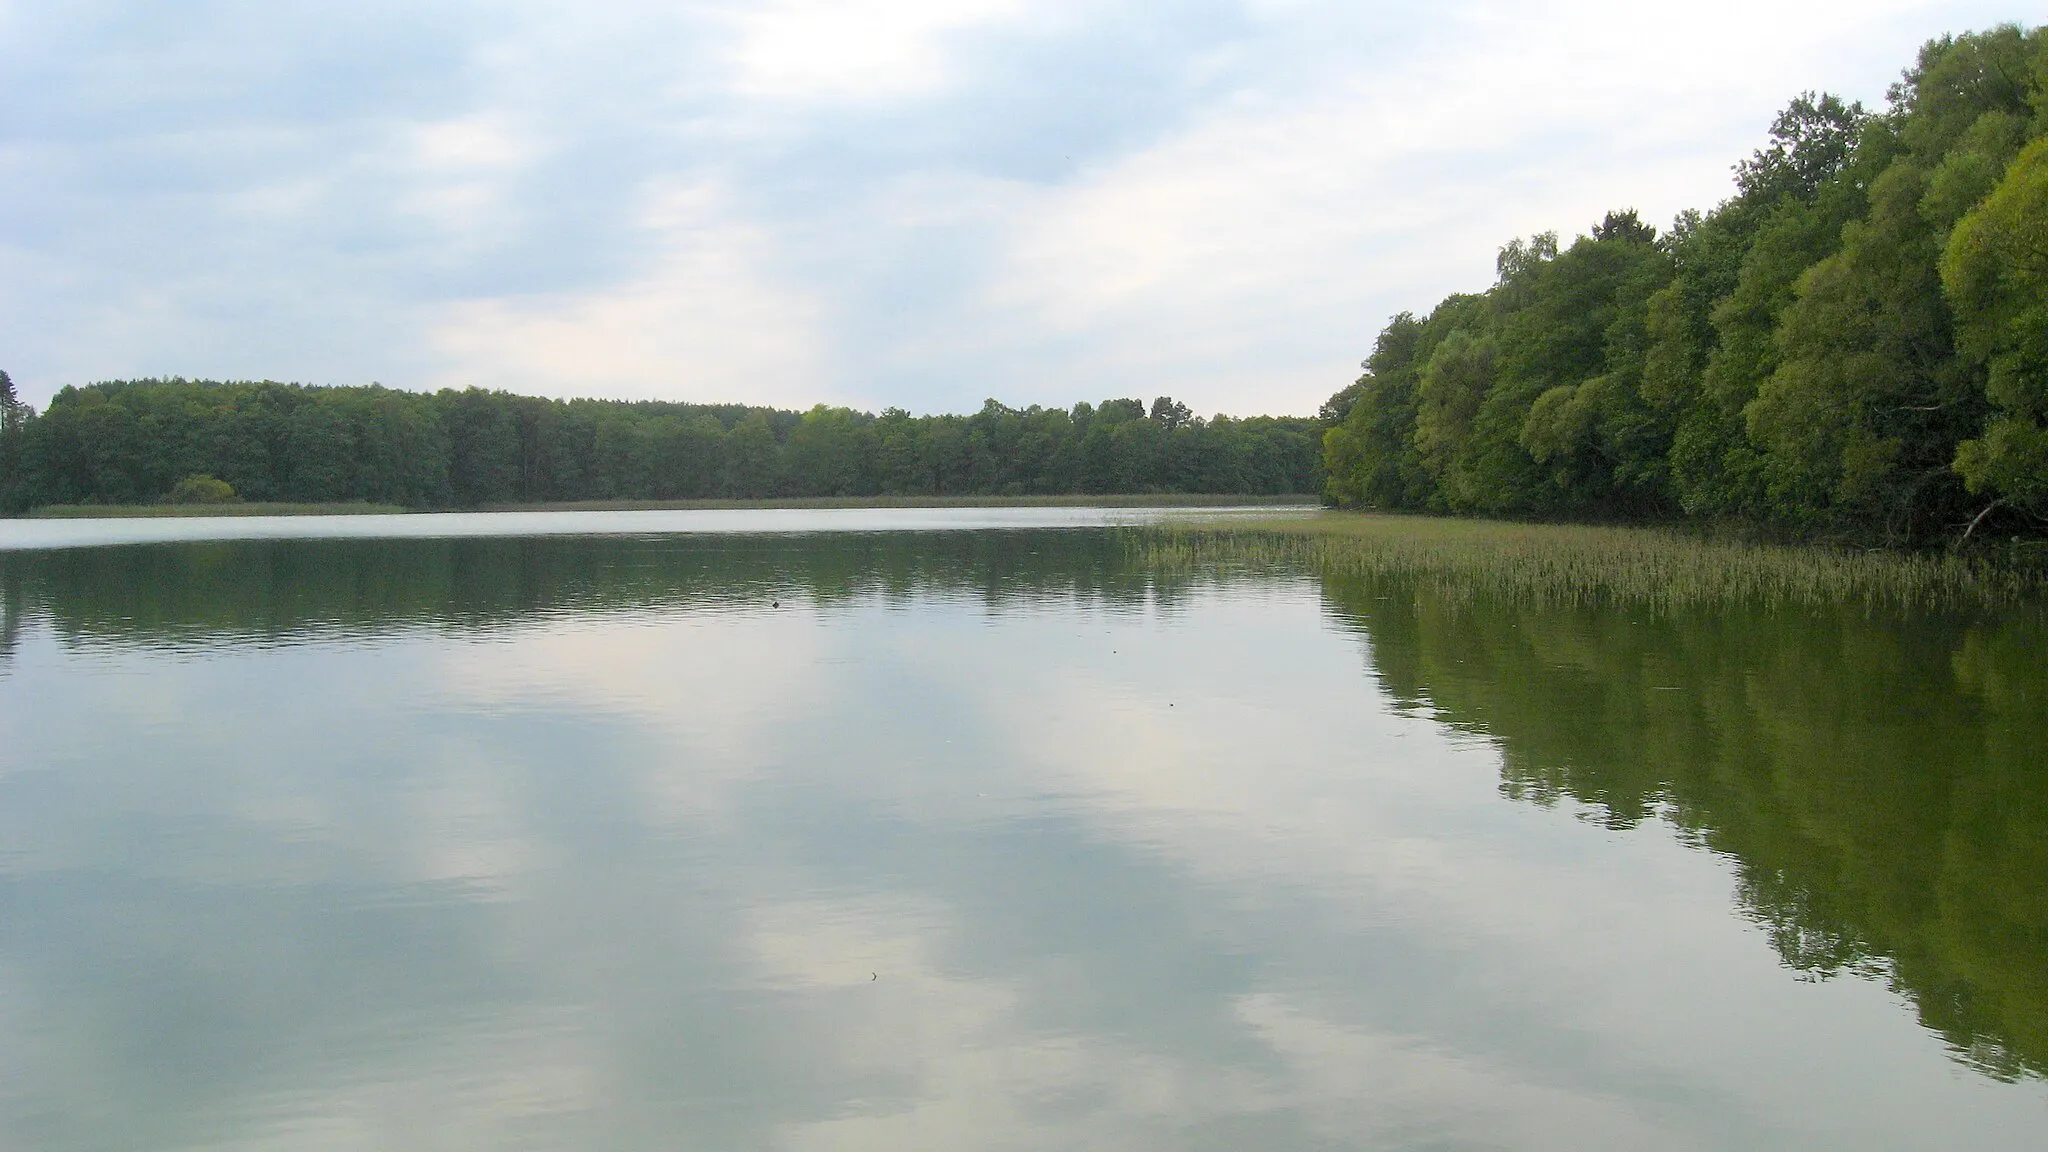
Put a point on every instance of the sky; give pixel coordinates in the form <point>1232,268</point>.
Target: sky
<point>920,203</point>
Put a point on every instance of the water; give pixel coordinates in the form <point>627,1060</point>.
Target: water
<point>88,532</point>
<point>993,839</point>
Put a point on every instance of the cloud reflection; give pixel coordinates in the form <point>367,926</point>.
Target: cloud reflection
<point>914,859</point>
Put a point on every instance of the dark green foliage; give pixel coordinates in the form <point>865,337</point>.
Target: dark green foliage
<point>130,442</point>
<point>1853,344</point>
<point>1996,271</point>
<point>11,413</point>
<point>13,416</point>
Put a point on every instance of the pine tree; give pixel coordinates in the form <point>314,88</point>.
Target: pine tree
<point>10,404</point>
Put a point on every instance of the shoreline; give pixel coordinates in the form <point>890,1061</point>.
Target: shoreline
<point>1155,500</point>
<point>175,511</point>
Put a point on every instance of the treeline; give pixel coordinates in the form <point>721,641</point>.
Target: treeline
<point>1855,343</point>
<point>128,442</point>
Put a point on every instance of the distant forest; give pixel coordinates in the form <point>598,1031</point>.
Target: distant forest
<point>1854,344</point>
<point>130,442</point>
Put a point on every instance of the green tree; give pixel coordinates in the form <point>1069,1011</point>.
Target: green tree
<point>1370,452</point>
<point>1453,385</point>
<point>1995,271</point>
<point>1860,421</point>
<point>483,446</point>
<point>200,489</point>
<point>13,417</point>
<point>1852,343</point>
<point>12,410</point>
<point>752,464</point>
<point>831,453</point>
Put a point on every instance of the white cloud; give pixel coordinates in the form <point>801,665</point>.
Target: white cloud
<point>852,49</point>
<point>706,319</point>
<point>471,143</point>
<point>1248,257</point>
<point>460,173</point>
<point>907,202</point>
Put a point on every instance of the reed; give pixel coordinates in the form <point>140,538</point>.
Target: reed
<point>1590,565</point>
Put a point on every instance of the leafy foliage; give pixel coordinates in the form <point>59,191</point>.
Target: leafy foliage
<point>131,442</point>
<point>200,490</point>
<point>13,416</point>
<point>1855,343</point>
<point>1996,271</point>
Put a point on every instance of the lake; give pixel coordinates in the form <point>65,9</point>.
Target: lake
<point>951,829</point>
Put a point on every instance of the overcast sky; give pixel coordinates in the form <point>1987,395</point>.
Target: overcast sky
<point>916,202</point>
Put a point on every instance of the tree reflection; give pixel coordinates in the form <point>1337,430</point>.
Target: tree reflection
<point>1877,782</point>
<point>230,591</point>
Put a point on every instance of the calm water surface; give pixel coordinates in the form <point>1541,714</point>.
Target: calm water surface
<point>991,838</point>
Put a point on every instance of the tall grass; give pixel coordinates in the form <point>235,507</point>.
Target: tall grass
<point>1567,564</point>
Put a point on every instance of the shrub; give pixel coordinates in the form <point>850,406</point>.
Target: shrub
<point>201,489</point>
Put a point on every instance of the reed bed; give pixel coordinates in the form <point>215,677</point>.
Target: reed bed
<point>1589,565</point>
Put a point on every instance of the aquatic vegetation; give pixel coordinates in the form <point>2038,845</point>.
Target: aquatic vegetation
<point>1578,564</point>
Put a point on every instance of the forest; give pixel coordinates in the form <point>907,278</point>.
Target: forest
<point>134,442</point>
<point>1853,345</point>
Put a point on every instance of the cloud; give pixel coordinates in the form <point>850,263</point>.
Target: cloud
<point>1246,257</point>
<point>911,202</point>
<point>706,320</point>
<point>463,171</point>
<point>860,50</point>
<point>1164,922</point>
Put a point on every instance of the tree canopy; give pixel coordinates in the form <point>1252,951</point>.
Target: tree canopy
<point>1855,342</point>
<point>125,442</point>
